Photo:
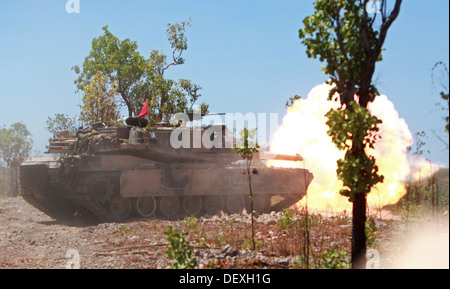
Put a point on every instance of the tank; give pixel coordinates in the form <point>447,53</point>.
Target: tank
<point>119,172</point>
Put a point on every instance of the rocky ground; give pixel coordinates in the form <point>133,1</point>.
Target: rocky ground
<point>31,239</point>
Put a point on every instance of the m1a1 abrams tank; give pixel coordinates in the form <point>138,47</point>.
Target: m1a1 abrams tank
<point>118,172</point>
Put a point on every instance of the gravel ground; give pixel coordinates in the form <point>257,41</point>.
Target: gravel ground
<point>31,239</point>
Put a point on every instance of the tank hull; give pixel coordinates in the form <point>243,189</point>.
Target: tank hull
<point>119,180</point>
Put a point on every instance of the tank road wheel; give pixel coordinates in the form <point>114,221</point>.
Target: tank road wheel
<point>214,203</point>
<point>262,203</point>
<point>235,204</point>
<point>146,206</point>
<point>120,208</point>
<point>169,206</point>
<point>192,205</point>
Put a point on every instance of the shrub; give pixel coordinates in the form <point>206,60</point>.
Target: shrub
<point>179,250</point>
<point>333,259</point>
<point>286,220</point>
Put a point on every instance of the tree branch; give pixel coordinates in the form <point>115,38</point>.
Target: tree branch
<point>365,36</point>
<point>386,24</point>
<point>337,11</point>
<point>174,62</point>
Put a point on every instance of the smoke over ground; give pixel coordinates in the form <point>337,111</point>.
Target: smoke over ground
<point>422,246</point>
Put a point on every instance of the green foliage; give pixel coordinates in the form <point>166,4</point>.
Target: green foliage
<point>176,34</point>
<point>118,60</point>
<point>442,80</point>
<point>444,96</point>
<point>192,91</point>
<point>60,122</point>
<point>286,219</point>
<point>419,143</point>
<point>15,144</point>
<point>99,101</point>
<point>342,218</point>
<point>292,100</point>
<point>191,222</point>
<point>247,150</point>
<point>342,34</point>
<point>251,244</point>
<point>203,108</point>
<point>122,231</point>
<point>137,79</point>
<point>304,221</point>
<point>333,259</point>
<point>248,145</point>
<point>424,197</point>
<point>308,221</point>
<point>179,250</point>
<point>354,130</point>
<point>333,34</point>
<point>15,147</point>
<point>371,230</point>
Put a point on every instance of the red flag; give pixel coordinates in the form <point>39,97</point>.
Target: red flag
<point>144,110</point>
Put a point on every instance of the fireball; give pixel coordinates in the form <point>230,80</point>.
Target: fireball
<point>304,132</point>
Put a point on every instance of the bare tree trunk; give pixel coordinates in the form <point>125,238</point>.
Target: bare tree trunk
<point>358,255</point>
<point>251,201</point>
<point>358,232</point>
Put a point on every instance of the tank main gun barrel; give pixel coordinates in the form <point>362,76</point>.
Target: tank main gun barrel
<point>282,157</point>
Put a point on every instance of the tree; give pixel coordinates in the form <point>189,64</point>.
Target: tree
<point>165,95</point>
<point>138,79</point>
<point>99,101</point>
<point>444,97</point>
<point>247,150</point>
<point>61,122</point>
<point>118,60</point>
<point>15,147</point>
<point>442,80</point>
<point>168,97</point>
<point>342,34</point>
<point>291,100</point>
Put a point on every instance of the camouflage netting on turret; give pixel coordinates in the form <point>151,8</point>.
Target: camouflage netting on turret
<point>90,141</point>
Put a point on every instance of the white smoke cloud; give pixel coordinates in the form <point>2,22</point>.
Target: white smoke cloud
<point>304,132</point>
<point>423,246</point>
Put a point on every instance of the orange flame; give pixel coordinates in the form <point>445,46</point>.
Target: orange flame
<point>304,132</point>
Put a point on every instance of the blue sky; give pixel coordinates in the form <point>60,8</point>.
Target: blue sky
<point>246,55</point>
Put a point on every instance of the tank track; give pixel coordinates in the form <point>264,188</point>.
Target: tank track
<point>44,196</point>
<point>96,192</point>
<point>56,208</point>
